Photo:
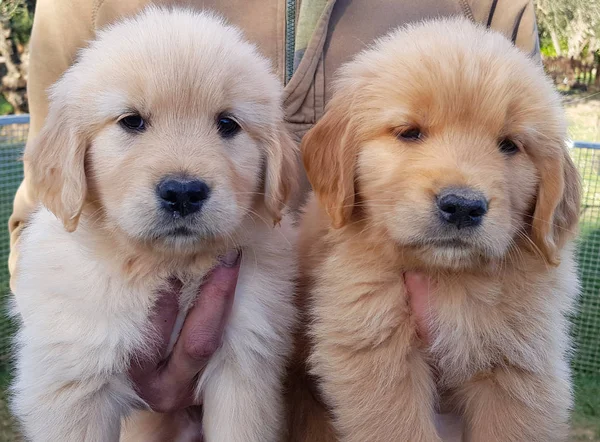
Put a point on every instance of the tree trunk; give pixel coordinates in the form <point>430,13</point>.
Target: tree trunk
<point>555,43</point>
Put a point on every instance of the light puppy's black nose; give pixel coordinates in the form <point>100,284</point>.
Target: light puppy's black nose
<point>462,207</point>
<point>182,197</point>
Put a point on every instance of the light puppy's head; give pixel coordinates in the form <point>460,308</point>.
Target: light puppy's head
<point>449,140</point>
<point>168,129</point>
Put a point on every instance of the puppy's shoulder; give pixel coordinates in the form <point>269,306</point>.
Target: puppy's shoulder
<point>54,265</point>
<point>566,283</point>
<point>313,229</point>
<point>45,242</point>
<point>269,239</point>
<point>270,258</point>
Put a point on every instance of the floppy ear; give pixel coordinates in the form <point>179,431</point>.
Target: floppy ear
<point>56,171</point>
<point>329,153</point>
<point>557,207</point>
<point>281,176</point>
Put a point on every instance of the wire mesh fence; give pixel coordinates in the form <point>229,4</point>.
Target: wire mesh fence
<point>587,321</point>
<point>13,133</point>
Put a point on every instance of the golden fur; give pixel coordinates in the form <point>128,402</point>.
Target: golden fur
<point>93,260</point>
<point>499,352</point>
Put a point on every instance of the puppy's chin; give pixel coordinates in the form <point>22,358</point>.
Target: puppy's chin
<point>451,255</point>
<point>178,236</point>
<point>180,240</point>
<point>447,257</point>
<point>434,247</point>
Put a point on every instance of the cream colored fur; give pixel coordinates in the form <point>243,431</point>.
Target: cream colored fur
<point>93,260</point>
<point>502,295</point>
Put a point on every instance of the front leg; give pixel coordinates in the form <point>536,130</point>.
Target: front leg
<point>53,404</point>
<point>510,404</point>
<point>372,372</point>
<point>243,400</point>
<point>242,385</point>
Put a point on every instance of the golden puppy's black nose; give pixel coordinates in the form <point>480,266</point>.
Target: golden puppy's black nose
<point>182,197</point>
<point>462,207</point>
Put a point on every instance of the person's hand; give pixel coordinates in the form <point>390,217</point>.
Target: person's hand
<point>168,384</point>
<point>419,287</point>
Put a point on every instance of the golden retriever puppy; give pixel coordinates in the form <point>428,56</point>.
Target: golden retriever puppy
<point>443,150</point>
<point>164,148</point>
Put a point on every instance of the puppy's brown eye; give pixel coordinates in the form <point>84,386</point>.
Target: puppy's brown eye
<point>133,123</point>
<point>508,147</point>
<point>411,134</point>
<point>227,126</point>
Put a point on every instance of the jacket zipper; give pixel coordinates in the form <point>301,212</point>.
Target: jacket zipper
<point>464,5</point>
<point>290,38</point>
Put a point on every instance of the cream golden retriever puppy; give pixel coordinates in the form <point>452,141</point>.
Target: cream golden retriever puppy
<point>163,149</point>
<point>443,150</point>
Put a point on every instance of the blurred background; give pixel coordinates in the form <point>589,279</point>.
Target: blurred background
<point>570,45</point>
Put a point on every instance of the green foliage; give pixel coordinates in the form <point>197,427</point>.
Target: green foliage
<point>587,405</point>
<point>19,16</point>
<point>546,46</point>
<point>569,27</point>
<point>21,23</point>
<point>5,107</point>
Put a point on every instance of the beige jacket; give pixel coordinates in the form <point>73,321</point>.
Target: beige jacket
<point>337,31</point>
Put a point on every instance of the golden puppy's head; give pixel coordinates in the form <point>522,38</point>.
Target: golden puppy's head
<point>452,141</point>
<point>169,126</point>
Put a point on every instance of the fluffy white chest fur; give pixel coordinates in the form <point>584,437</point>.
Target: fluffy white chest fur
<point>82,322</point>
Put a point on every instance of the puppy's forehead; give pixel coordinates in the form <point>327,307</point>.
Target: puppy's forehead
<point>452,72</point>
<point>440,92</point>
<point>177,60</point>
